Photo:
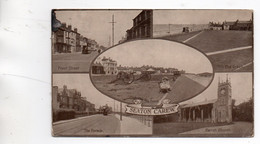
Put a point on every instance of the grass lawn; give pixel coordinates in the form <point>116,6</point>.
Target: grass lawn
<point>181,37</point>
<point>232,60</point>
<point>183,88</point>
<point>210,41</point>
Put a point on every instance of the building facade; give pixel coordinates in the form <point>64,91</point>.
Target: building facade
<point>110,66</point>
<point>215,111</point>
<point>142,25</point>
<point>64,98</point>
<point>68,40</point>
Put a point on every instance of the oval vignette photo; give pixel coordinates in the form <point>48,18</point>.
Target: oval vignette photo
<point>151,71</point>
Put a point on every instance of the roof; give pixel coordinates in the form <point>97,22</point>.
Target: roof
<point>97,64</point>
<point>199,103</point>
<point>70,92</point>
<point>229,23</point>
<point>150,69</point>
<point>245,22</point>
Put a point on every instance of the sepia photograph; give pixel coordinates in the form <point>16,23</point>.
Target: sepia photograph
<point>80,110</point>
<point>226,36</point>
<point>225,109</point>
<point>151,71</point>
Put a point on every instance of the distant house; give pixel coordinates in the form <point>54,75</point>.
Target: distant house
<point>228,25</point>
<point>215,26</point>
<point>238,25</point>
<point>122,69</point>
<point>243,25</point>
<point>137,70</point>
<point>97,68</point>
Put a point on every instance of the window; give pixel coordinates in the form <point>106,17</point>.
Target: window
<point>145,30</point>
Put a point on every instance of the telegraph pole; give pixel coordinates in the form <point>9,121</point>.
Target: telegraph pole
<point>113,29</point>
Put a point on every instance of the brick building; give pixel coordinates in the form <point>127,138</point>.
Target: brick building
<point>64,98</point>
<point>142,25</point>
<point>68,40</point>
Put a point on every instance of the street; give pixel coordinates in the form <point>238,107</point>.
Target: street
<point>72,62</point>
<point>91,125</point>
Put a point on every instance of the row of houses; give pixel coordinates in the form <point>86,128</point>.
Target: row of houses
<point>155,70</point>
<point>69,40</point>
<point>109,66</point>
<point>232,25</point>
<point>70,99</point>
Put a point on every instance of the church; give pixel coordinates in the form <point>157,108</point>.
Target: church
<point>215,111</point>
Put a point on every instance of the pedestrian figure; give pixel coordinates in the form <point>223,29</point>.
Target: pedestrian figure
<point>164,85</point>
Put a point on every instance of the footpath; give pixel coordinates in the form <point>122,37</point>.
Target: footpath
<point>135,125</point>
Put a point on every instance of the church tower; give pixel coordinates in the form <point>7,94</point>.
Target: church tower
<point>224,103</point>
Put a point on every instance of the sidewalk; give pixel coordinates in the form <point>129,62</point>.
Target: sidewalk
<point>131,126</point>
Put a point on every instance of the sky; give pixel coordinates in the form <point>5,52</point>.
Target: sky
<point>159,53</point>
<point>199,16</point>
<point>241,84</point>
<point>94,24</point>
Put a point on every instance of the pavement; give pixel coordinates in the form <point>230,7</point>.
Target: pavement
<point>89,125</point>
<point>135,125</point>
<point>72,62</point>
<point>100,125</point>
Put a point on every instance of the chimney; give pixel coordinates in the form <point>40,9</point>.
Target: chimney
<point>63,25</point>
<point>65,87</point>
<point>76,30</point>
<point>69,27</point>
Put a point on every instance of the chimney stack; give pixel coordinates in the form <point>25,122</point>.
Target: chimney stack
<point>69,27</point>
<point>63,25</point>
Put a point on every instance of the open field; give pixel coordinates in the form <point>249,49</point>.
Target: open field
<point>181,89</point>
<point>214,41</point>
<point>181,37</point>
<point>210,41</point>
<point>233,60</point>
<point>72,62</point>
<point>178,129</point>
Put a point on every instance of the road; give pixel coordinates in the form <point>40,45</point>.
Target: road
<point>72,62</point>
<point>90,125</point>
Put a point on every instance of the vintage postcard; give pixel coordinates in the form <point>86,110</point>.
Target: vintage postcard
<point>152,73</point>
